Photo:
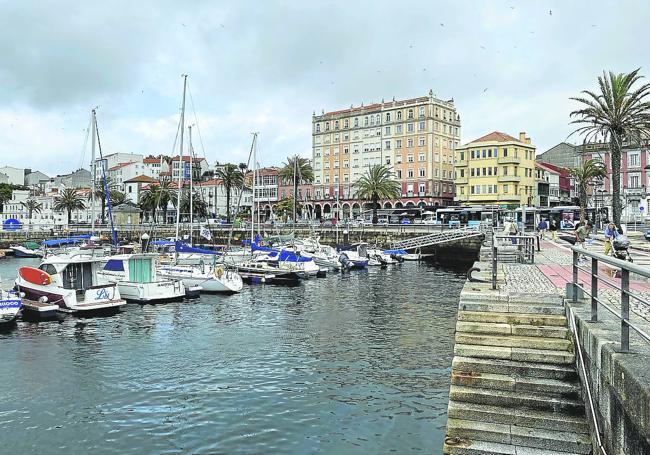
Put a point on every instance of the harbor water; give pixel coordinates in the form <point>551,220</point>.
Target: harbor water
<point>355,363</point>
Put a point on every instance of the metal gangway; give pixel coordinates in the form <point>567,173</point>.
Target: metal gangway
<point>438,238</point>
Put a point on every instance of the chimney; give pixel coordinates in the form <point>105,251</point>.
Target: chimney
<point>522,136</point>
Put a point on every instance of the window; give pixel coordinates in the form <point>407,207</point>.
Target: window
<point>422,173</point>
<point>388,130</point>
<point>633,159</point>
<point>421,126</point>
<point>409,142</point>
<point>410,113</point>
<point>421,111</point>
<point>336,125</point>
<point>410,158</point>
<point>422,188</point>
<point>398,129</point>
<point>372,120</point>
<point>505,189</point>
<point>356,122</point>
<point>505,170</point>
<point>410,173</point>
<point>365,121</point>
<point>505,153</point>
<point>634,180</point>
<point>444,128</point>
<point>347,123</point>
<point>388,160</point>
<point>421,157</point>
<point>327,126</point>
<point>318,127</point>
<point>398,173</point>
<point>378,119</point>
<point>346,150</point>
<point>388,116</point>
<point>409,127</point>
<point>484,153</point>
<point>387,145</point>
<point>398,143</point>
<point>471,172</point>
<point>399,115</point>
<point>462,156</point>
<point>421,142</point>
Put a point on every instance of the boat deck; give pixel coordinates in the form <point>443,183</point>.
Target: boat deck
<point>40,307</point>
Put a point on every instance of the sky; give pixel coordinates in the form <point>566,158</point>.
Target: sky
<point>266,66</point>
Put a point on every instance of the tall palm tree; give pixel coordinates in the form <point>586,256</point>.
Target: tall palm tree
<point>69,200</point>
<point>149,200</point>
<point>295,170</point>
<point>165,194</point>
<point>117,197</point>
<point>157,196</point>
<point>32,205</point>
<point>376,184</point>
<point>231,177</point>
<point>618,112</point>
<point>199,206</point>
<point>585,175</point>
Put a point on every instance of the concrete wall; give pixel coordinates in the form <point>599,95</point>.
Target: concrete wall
<point>620,383</point>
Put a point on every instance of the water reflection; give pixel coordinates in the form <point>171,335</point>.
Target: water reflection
<point>355,363</point>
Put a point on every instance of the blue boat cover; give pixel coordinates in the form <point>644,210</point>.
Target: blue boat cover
<point>395,252</point>
<point>184,248</point>
<point>162,242</point>
<point>114,265</point>
<point>66,241</point>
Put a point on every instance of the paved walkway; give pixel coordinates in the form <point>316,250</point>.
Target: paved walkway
<point>553,269</point>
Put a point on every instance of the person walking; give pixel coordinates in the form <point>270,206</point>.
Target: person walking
<point>581,237</point>
<point>611,233</point>
<point>510,229</point>
<point>542,227</point>
<point>553,227</point>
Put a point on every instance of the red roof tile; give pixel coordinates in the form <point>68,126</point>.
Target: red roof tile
<point>120,166</point>
<point>141,179</point>
<point>496,136</point>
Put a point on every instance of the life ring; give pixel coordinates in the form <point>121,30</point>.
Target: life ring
<point>218,272</point>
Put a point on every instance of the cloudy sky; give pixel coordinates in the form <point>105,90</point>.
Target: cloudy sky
<point>267,65</point>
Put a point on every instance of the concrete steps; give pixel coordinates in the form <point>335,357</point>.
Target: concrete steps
<point>514,388</point>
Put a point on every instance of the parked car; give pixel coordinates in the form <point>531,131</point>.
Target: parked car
<point>647,234</point>
<point>327,223</point>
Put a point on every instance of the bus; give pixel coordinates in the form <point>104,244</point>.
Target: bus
<point>471,215</point>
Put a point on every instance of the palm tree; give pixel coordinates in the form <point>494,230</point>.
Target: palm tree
<point>584,175</point>
<point>69,200</point>
<point>149,200</point>
<point>616,114</point>
<point>297,169</point>
<point>199,206</point>
<point>117,197</point>
<point>231,177</point>
<point>165,194</point>
<point>157,196</point>
<point>32,205</point>
<point>376,184</point>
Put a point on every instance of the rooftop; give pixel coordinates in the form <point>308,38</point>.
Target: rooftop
<point>141,179</point>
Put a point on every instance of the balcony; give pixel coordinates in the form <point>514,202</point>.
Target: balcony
<point>460,163</point>
<point>509,160</point>
<point>509,198</point>
<point>462,180</point>
<point>509,178</point>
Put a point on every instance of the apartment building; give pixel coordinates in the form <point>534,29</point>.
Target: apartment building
<point>496,169</point>
<point>414,138</point>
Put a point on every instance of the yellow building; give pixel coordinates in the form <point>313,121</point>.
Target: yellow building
<point>496,169</point>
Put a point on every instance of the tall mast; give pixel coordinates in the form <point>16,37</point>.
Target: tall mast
<point>93,171</point>
<point>181,166</point>
<point>190,152</point>
<point>295,187</point>
<point>254,184</point>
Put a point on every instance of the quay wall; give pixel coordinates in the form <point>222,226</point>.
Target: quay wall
<point>619,382</point>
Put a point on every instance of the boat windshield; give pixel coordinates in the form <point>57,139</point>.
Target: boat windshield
<point>48,268</point>
<point>78,276</point>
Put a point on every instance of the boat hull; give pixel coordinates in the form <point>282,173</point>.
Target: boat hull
<point>228,283</point>
<point>20,252</point>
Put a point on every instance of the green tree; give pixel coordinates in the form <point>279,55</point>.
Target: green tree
<point>283,207</point>
<point>5,194</point>
<point>618,112</point>
<point>149,200</point>
<point>377,184</point>
<point>69,200</point>
<point>585,175</point>
<point>232,177</point>
<point>32,206</point>
<point>117,197</point>
<point>295,170</point>
<point>199,206</point>
<point>100,193</point>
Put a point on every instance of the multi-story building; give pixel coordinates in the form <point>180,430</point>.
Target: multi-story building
<point>414,138</point>
<point>199,166</point>
<point>496,169</point>
<point>15,175</point>
<point>154,166</point>
<point>213,192</point>
<point>266,189</point>
<point>81,178</point>
<point>563,155</point>
<point>560,190</point>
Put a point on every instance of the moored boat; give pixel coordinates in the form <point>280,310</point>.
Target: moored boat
<point>253,272</point>
<point>71,283</point>
<point>137,281</point>
<point>10,305</point>
<point>27,250</point>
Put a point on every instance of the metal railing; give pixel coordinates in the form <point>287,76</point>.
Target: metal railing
<point>524,251</point>
<point>626,268</point>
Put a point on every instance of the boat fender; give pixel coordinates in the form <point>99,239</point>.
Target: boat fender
<point>472,279</point>
<point>218,272</point>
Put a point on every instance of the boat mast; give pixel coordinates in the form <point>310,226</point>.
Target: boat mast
<point>190,152</point>
<point>93,172</point>
<point>181,167</point>
<point>254,184</point>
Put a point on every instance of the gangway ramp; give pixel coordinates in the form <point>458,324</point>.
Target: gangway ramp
<point>437,238</point>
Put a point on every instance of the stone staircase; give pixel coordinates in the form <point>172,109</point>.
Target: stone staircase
<point>514,389</point>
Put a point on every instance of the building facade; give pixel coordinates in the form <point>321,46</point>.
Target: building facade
<point>15,175</point>
<point>496,169</point>
<point>414,138</point>
<point>562,155</point>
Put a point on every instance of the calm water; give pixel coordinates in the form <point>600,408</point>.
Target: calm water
<point>353,364</point>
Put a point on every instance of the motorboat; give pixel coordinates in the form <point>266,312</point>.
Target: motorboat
<point>386,257</point>
<point>10,305</point>
<point>27,250</point>
<point>260,272</point>
<point>353,256</point>
<point>211,276</point>
<point>70,282</point>
<point>136,278</point>
<point>287,260</point>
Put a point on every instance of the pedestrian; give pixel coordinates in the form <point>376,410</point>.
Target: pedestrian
<point>553,227</point>
<point>581,236</point>
<point>510,229</point>
<point>542,227</point>
<point>611,233</point>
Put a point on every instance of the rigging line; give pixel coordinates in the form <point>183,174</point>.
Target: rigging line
<point>196,120</point>
<point>108,194</point>
<point>85,146</point>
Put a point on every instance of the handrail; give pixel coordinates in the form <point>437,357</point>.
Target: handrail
<point>625,267</point>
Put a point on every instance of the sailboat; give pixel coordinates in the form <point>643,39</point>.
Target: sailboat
<point>210,277</point>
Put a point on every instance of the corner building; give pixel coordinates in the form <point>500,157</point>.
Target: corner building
<point>496,169</point>
<point>414,138</point>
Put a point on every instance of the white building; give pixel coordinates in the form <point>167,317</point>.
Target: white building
<point>134,186</point>
<point>117,158</point>
<point>36,180</point>
<point>122,172</point>
<point>15,175</point>
<point>4,178</point>
<point>199,166</point>
<point>154,166</point>
<point>214,193</point>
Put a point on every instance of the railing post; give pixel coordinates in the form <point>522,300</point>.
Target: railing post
<point>625,310</point>
<point>575,277</point>
<point>494,261</point>
<point>594,289</point>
